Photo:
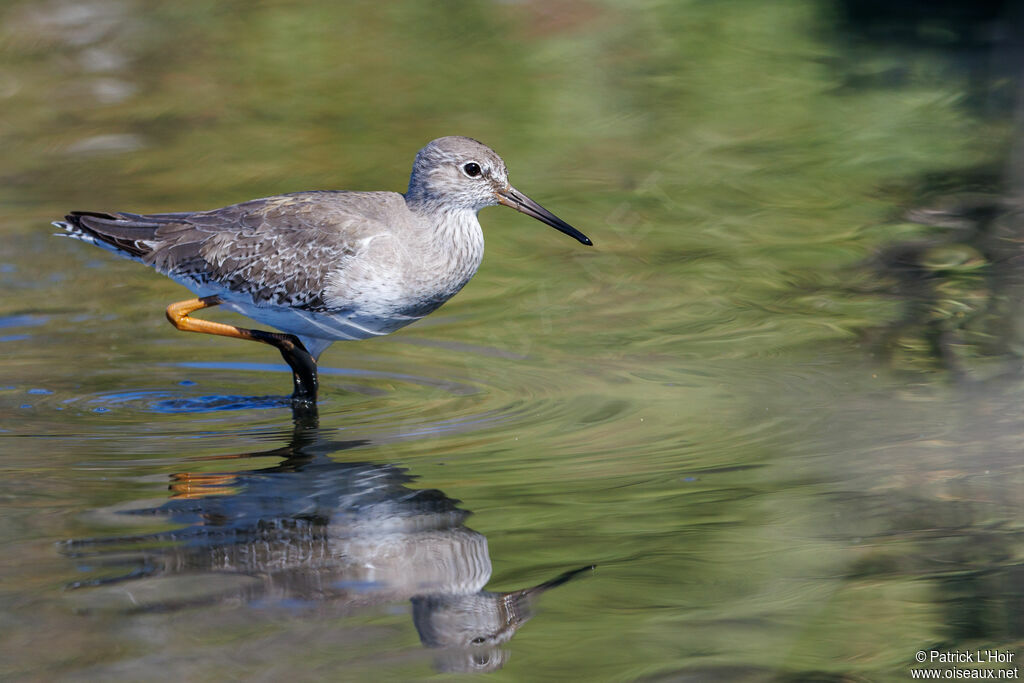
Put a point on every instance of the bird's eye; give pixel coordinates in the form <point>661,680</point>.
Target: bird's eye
<point>472,169</point>
<point>480,640</point>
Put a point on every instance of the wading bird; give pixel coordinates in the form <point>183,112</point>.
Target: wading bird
<point>325,266</point>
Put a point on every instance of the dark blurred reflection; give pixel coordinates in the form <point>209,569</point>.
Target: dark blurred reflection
<point>309,530</point>
<point>978,41</point>
<point>960,279</point>
<point>961,287</point>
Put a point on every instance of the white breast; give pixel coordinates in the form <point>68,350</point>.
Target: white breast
<point>400,276</point>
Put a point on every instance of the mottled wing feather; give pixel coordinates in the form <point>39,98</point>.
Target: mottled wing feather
<point>280,250</point>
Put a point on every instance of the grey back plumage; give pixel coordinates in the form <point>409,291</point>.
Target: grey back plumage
<point>280,250</point>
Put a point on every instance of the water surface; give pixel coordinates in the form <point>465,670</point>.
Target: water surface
<point>768,428</point>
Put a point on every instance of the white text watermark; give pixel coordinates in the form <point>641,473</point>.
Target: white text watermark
<point>984,664</point>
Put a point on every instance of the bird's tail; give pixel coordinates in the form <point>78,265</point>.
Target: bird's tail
<point>126,234</point>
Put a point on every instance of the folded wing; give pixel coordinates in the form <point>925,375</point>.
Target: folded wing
<point>278,250</point>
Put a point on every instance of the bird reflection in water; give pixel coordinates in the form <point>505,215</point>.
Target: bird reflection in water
<point>313,530</point>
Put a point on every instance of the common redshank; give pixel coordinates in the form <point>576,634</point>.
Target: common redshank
<point>325,266</point>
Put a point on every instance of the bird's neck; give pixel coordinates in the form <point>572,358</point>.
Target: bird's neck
<point>445,220</point>
<point>455,233</point>
<point>458,227</point>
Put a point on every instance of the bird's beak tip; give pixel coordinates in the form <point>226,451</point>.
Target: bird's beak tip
<point>515,199</point>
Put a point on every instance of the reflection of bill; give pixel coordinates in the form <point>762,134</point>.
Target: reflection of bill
<point>315,530</point>
<point>471,625</point>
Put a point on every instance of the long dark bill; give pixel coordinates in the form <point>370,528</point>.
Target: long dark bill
<point>512,197</point>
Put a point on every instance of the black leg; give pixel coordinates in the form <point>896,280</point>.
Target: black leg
<point>304,375</point>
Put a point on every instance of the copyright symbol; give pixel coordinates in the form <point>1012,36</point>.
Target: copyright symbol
<point>921,655</point>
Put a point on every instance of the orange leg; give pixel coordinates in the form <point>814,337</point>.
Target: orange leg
<point>294,353</point>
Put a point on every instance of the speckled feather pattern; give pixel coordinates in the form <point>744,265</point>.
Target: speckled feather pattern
<point>325,265</point>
